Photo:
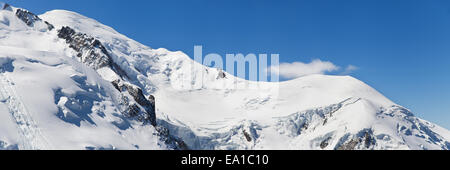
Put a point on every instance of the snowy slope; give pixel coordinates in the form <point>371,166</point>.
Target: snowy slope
<point>49,100</point>
<point>55,97</point>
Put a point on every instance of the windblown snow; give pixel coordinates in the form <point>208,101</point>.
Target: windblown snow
<point>51,98</point>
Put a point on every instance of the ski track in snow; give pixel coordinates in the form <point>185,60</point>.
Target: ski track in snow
<point>31,136</point>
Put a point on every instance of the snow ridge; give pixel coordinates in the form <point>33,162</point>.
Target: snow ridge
<point>83,85</point>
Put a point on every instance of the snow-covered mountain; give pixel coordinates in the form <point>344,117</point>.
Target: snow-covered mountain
<point>70,82</point>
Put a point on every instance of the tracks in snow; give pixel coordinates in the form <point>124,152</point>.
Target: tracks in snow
<point>31,136</point>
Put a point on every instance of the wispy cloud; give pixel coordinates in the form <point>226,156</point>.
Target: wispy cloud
<point>317,66</point>
<point>349,69</point>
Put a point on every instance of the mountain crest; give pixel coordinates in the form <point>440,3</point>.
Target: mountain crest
<point>5,6</point>
<point>90,50</point>
<point>30,19</point>
<point>92,53</point>
<point>82,85</point>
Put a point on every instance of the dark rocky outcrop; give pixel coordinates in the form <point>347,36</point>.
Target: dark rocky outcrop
<point>325,143</point>
<point>247,136</point>
<point>92,53</point>
<point>221,75</point>
<point>351,145</point>
<point>368,140</point>
<point>170,140</point>
<point>363,138</point>
<point>139,97</point>
<point>29,18</point>
<point>133,110</point>
<point>6,7</point>
<point>90,50</point>
<point>152,100</point>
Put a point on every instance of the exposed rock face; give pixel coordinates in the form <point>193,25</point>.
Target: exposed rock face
<point>92,53</point>
<point>152,100</point>
<point>138,96</point>
<point>367,139</point>
<point>170,140</point>
<point>247,136</point>
<point>351,145</point>
<point>29,18</point>
<point>5,6</point>
<point>221,75</point>
<point>90,50</point>
<point>362,139</point>
<point>133,110</point>
<point>325,143</point>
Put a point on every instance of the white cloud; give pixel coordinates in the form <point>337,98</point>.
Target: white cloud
<point>298,69</point>
<point>349,69</point>
<point>317,66</point>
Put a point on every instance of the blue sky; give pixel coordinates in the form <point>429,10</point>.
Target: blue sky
<point>401,47</point>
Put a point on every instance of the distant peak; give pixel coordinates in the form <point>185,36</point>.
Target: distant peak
<point>30,18</point>
<point>5,6</point>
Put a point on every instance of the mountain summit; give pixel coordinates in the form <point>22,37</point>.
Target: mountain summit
<point>70,82</point>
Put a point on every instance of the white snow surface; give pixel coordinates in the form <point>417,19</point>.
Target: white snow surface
<point>49,100</point>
